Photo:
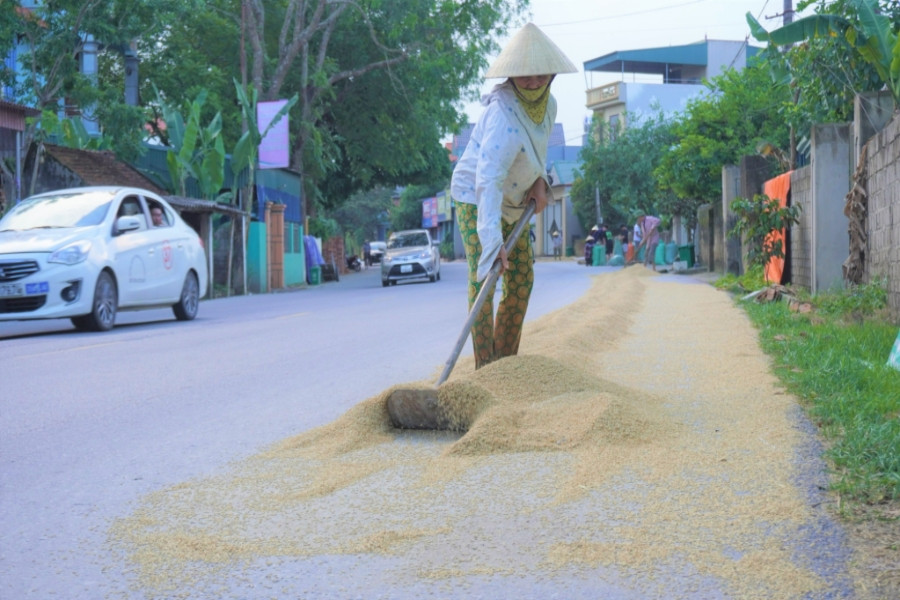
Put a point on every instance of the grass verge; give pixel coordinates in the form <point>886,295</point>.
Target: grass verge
<point>831,352</point>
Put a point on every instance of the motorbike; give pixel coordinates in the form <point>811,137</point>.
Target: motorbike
<point>354,263</point>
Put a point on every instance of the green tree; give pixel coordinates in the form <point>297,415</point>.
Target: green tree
<point>56,33</point>
<point>364,212</point>
<point>199,52</point>
<point>738,116</point>
<point>817,59</point>
<point>856,40</point>
<point>407,213</point>
<point>758,218</point>
<point>378,82</point>
<point>9,25</point>
<point>620,166</point>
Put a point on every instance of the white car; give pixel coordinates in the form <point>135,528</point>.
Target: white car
<point>376,251</point>
<point>86,253</point>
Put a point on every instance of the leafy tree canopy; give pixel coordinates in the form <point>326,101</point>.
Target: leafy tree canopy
<point>823,58</point>
<point>407,213</point>
<point>380,83</point>
<point>9,24</point>
<point>55,34</point>
<point>364,212</point>
<point>620,165</point>
<point>738,117</point>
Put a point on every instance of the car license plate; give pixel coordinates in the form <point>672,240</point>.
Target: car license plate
<point>13,290</point>
<point>406,268</point>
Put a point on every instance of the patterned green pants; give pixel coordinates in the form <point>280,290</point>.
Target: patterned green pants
<point>490,340</point>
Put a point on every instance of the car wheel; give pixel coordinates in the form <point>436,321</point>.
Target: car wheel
<point>384,283</point>
<point>103,311</point>
<point>432,278</point>
<point>438,275</point>
<point>189,303</point>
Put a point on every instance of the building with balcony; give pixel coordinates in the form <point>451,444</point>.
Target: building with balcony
<point>630,83</point>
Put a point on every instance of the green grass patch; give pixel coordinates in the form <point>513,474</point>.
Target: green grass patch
<point>834,358</point>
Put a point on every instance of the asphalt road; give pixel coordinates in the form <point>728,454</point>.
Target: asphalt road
<point>90,423</point>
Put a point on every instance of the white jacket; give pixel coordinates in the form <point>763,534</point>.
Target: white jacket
<point>505,155</point>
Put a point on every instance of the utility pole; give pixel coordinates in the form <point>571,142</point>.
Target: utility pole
<point>787,18</point>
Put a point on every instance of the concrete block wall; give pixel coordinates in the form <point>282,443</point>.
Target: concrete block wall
<point>820,241</point>
<point>831,168</point>
<point>883,169</point>
<point>709,243</point>
<point>801,234</point>
<point>731,247</point>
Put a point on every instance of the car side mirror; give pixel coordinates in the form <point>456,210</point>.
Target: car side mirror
<point>127,223</point>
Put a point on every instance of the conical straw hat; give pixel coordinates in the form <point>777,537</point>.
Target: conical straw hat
<point>530,52</point>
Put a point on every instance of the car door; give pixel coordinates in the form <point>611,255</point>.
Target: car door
<point>131,253</point>
<point>166,256</point>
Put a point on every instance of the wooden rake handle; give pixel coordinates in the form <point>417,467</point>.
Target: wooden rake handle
<point>489,283</point>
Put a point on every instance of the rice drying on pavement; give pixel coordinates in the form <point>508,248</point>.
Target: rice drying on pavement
<point>638,434</point>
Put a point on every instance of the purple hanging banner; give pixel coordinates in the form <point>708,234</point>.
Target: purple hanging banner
<point>273,149</point>
<point>429,213</point>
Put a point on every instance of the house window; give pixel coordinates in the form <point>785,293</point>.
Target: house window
<point>292,238</point>
<point>613,127</point>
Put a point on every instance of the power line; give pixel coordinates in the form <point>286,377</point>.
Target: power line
<point>631,14</point>
<point>747,37</point>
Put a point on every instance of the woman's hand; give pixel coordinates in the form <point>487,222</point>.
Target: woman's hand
<point>504,260</point>
<point>538,193</point>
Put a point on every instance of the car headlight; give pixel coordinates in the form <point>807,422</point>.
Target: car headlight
<point>71,254</point>
<point>386,259</point>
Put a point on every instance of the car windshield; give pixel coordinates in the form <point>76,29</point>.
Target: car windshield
<point>408,240</point>
<point>63,210</point>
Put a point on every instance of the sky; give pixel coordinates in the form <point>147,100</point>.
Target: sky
<point>587,29</point>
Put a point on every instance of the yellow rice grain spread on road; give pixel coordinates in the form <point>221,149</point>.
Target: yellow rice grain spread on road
<point>639,429</point>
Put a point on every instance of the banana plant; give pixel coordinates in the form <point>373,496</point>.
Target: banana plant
<point>69,132</point>
<point>210,172</point>
<point>873,38</point>
<point>194,151</point>
<point>246,150</point>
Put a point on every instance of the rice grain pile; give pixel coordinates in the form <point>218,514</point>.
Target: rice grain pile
<point>635,439</point>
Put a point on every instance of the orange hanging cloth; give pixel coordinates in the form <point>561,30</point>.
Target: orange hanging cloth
<point>777,189</point>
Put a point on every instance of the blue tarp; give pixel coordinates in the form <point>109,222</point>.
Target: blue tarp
<point>313,256</point>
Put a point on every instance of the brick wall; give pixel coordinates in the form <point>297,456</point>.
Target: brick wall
<point>883,169</point>
<point>334,248</point>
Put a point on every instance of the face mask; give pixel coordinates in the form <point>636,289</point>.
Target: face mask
<point>533,95</point>
<point>534,102</point>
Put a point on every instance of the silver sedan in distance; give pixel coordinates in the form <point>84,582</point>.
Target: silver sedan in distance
<point>86,253</point>
<point>410,254</point>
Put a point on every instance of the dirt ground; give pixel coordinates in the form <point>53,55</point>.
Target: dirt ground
<point>638,447</point>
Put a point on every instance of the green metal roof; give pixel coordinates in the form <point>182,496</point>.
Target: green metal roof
<point>566,171</point>
<point>654,60</point>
